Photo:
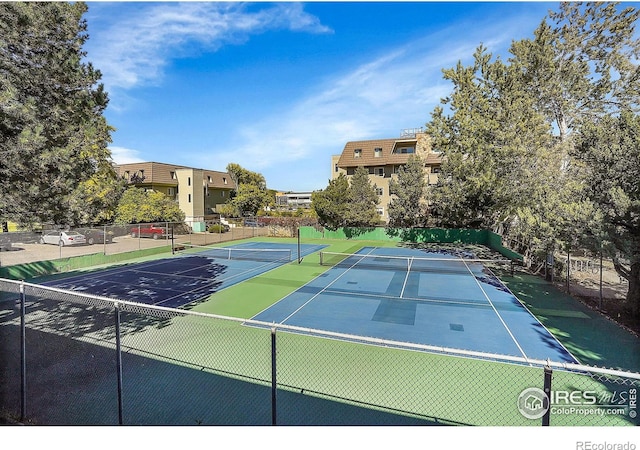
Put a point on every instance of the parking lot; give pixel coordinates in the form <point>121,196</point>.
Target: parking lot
<point>29,250</point>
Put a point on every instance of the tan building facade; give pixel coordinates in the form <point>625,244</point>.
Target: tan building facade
<point>197,191</point>
<point>383,158</point>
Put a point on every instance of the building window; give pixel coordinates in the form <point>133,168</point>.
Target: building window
<point>404,150</point>
<point>209,178</point>
<point>335,168</point>
<point>379,191</point>
<point>224,180</point>
<point>222,194</point>
<point>380,211</point>
<point>357,153</point>
<point>172,175</point>
<point>189,198</point>
<point>188,181</point>
<point>435,170</point>
<point>380,171</point>
<point>377,152</point>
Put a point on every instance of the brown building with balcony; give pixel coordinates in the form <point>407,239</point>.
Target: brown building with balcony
<point>383,157</point>
<point>197,191</point>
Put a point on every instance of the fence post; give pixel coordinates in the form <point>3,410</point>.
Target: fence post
<point>547,390</point>
<point>23,354</point>
<point>568,270</point>
<point>600,303</point>
<point>118,361</point>
<point>273,377</point>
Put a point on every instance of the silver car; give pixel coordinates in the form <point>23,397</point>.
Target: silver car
<point>62,238</point>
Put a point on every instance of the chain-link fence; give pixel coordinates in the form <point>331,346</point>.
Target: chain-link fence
<point>73,359</point>
<point>67,249</point>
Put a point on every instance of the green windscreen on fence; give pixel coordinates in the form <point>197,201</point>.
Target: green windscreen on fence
<point>434,235</point>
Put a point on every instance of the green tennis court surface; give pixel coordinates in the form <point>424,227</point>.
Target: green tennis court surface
<point>410,295</point>
<point>192,275</point>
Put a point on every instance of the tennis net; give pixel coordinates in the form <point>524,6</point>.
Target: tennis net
<point>234,253</point>
<point>410,263</point>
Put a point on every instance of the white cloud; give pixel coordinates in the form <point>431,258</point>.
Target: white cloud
<point>378,99</point>
<point>122,155</point>
<point>135,49</point>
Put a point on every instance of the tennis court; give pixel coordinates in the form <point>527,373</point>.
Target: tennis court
<point>411,295</point>
<point>192,274</point>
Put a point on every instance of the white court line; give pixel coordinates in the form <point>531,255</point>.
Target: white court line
<point>494,309</point>
<point>325,288</point>
<point>406,299</point>
<point>406,278</point>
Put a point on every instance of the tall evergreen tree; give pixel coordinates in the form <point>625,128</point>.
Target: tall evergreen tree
<point>53,136</point>
<point>583,64</point>
<point>496,149</point>
<point>331,204</point>
<point>408,207</point>
<point>362,201</point>
<point>610,149</point>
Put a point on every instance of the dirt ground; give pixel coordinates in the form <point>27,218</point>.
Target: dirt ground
<point>585,286</point>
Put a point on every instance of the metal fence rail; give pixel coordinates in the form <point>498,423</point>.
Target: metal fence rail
<point>74,359</point>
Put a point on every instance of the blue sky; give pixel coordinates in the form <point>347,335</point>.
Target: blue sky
<point>280,87</point>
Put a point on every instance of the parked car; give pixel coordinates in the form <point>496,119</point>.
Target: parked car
<point>62,238</point>
<point>96,236</point>
<point>151,231</point>
<point>252,223</point>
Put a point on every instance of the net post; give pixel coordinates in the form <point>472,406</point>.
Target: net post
<point>321,258</point>
<point>23,355</point>
<point>548,372</point>
<point>173,248</point>
<point>299,255</point>
<point>274,385</point>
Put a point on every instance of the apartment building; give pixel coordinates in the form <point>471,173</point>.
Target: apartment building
<point>383,158</point>
<point>293,200</point>
<point>198,192</point>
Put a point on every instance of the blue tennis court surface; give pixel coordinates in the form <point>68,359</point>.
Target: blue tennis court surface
<point>450,304</point>
<point>187,277</point>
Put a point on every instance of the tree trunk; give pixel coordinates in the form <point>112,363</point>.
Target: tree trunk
<point>633,295</point>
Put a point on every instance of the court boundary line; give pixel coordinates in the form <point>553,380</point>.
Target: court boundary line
<point>323,289</point>
<point>406,278</point>
<point>496,311</point>
<point>533,315</point>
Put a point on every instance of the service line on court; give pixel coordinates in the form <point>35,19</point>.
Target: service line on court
<point>324,288</point>
<point>406,278</point>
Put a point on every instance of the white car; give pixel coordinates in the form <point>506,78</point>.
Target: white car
<point>62,238</point>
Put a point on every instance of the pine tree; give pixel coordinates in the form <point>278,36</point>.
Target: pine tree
<point>53,136</point>
<point>408,207</point>
<point>362,201</point>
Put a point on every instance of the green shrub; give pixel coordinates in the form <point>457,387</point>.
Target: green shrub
<point>217,228</point>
